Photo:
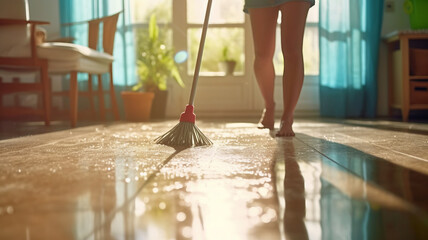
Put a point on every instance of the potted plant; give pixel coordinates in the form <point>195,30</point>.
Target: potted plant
<point>227,64</point>
<point>138,105</point>
<point>155,66</point>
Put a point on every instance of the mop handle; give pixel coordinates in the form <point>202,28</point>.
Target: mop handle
<point>200,51</point>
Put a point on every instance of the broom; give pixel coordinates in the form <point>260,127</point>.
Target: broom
<point>186,133</point>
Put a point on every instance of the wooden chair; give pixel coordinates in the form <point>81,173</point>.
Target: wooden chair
<point>101,64</point>
<point>109,31</point>
<point>18,57</point>
<point>20,53</point>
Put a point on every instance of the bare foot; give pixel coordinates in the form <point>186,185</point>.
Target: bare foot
<point>268,119</point>
<point>286,129</point>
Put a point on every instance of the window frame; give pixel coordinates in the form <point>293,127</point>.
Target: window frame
<point>180,28</point>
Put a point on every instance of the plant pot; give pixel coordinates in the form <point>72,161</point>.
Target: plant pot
<point>159,105</point>
<point>137,105</point>
<point>228,67</point>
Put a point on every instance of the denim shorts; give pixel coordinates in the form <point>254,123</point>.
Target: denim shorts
<point>270,3</point>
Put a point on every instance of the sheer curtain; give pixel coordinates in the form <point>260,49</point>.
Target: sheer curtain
<point>349,49</point>
<point>79,11</point>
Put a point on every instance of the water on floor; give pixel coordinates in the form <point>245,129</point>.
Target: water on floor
<point>332,181</point>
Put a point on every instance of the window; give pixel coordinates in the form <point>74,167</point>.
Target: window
<point>181,21</point>
<point>141,11</point>
<point>310,45</point>
<point>140,15</point>
<point>226,31</point>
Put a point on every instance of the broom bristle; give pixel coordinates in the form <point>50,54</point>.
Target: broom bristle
<point>185,134</point>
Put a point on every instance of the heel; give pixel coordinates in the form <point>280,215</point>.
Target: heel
<point>267,124</point>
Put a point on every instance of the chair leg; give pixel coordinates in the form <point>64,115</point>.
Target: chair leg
<point>1,96</point>
<point>16,100</point>
<point>73,98</point>
<point>113,97</point>
<point>46,92</point>
<point>101,98</point>
<point>91,97</point>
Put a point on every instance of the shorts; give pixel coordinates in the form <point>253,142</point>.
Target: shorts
<point>270,3</point>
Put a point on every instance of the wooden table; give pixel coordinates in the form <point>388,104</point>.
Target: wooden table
<point>406,91</point>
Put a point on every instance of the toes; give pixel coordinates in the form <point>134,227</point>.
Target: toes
<point>285,129</point>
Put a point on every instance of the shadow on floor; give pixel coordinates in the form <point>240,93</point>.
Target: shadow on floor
<point>351,186</point>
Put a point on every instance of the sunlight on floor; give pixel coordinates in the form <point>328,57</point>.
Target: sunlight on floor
<point>113,182</point>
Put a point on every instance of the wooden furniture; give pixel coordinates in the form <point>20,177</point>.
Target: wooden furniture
<point>101,63</point>
<point>406,90</point>
<point>18,57</point>
<point>21,53</point>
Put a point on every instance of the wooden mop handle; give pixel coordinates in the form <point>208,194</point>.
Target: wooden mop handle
<point>200,51</point>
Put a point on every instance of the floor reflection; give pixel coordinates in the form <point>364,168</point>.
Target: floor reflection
<point>201,193</point>
<point>114,183</point>
<point>138,212</point>
<point>332,191</point>
<point>103,203</point>
<point>294,195</point>
<point>402,182</point>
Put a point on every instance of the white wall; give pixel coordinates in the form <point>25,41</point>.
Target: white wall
<point>392,21</point>
<point>46,10</point>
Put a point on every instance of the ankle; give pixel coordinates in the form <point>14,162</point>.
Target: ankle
<point>270,106</point>
<point>287,119</point>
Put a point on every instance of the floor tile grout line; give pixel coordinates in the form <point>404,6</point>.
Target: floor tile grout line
<point>324,155</point>
<point>396,128</point>
<point>415,209</point>
<point>329,158</point>
<point>386,148</point>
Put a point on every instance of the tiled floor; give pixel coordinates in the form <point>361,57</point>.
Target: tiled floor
<point>334,180</point>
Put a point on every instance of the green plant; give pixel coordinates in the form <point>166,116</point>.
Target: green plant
<point>155,63</point>
<point>225,55</point>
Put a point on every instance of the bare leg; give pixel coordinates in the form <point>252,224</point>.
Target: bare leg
<point>292,30</point>
<point>263,24</point>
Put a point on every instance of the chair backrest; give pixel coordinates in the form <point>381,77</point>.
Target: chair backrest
<point>109,24</point>
<point>14,39</point>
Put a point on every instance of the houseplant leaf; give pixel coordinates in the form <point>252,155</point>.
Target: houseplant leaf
<point>155,63</point>
<point>153,28</point>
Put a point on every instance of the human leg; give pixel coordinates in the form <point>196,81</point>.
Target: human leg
<point>263,24</point>
<point>292,30</point>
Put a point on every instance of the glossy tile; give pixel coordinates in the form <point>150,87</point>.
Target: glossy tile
<point>114,182</point>
<point>325,200</point>
<point>401,148</point>
<point>332,181</point>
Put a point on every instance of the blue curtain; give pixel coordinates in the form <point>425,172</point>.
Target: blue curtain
<point>79,11</point>
<point>349,49</point>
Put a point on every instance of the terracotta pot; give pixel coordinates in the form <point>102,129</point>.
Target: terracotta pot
<point>159,105</point>
<point>138,105</point>
<point>228,67</point>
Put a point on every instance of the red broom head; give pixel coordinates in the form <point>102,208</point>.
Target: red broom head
<point>188,115</point>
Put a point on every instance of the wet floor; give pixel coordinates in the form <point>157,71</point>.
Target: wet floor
<point>334,180</point>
